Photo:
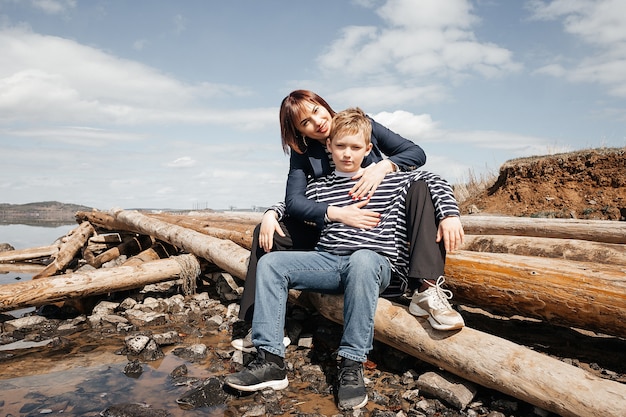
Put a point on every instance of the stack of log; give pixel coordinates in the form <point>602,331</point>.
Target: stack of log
<point>565,272</point>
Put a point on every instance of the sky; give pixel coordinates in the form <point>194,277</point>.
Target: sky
<point>174,104</point>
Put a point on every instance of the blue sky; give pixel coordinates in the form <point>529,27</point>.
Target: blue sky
<point>163,104</point>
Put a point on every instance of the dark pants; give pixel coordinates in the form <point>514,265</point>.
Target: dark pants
<point>426,256</point>
<point>298,236</point>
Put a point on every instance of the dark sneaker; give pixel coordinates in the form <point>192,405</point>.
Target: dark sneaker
<point>351,391</point>
<point>258,375</point>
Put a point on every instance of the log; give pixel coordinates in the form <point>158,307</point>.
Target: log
<point>101,281</point>
<point>131,246</point>
<point>606,231</point>
<point>101,220</point>
<point>159,250</point>
<point>20,255</point>
<point>68,250</point>
<point>225,254</point>
<point>579,294</point>
<point>23,267</point>
<point>492,362</point>
<point>569,249</point>
<point>204,226</point>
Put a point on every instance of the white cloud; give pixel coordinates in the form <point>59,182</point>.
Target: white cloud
<point>183,162</point>
<point>602,25</point>
<point>53,6</point>
<point>433,39</point>
<point>55,79</point>
<point>407,124</point>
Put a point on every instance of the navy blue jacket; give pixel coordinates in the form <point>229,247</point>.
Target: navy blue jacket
<point>314,163</point>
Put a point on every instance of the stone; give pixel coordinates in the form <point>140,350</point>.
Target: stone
<point>447,387</point>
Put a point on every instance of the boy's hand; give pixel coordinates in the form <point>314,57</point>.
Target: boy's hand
<point>269,225</point>
<point>353,215</point>
<point>370,179</point>
<point>451,231</point>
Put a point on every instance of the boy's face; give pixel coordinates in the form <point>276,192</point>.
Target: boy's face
<point>348,152</point>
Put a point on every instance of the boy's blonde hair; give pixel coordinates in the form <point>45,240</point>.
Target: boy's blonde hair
<point>351,121</point>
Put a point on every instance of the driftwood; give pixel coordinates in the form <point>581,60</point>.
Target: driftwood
<point>606,231</point>
<point>572,249</point>
<point>158,250</point>
<point>208,227</point>
<point>23,267</point>
<point>225,254</point>
<point>492,362</point>
<point>579,294</point>
<point>20,255</point>
<point>75,241</point>
<point>131,246</point>
<point>101,281</point>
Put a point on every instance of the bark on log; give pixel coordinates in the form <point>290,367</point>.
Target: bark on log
<point>159,250</point>
<point>579,294</point>
<point>20,255</point>
<point>130,247</point>
<point>68,250</point>
<point>102,220</point>
<point>570,249</point>
<point>606,231</point>
<point>492,362</point>
<point>100,281</point>
<point>225,254</point>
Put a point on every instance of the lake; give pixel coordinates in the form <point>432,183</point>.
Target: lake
<point>21,236</point>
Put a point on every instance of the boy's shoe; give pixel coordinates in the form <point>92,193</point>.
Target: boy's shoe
<point>245,343</point>
<point>433,303</point>
<point>258,375</point>
<point>351,390</point>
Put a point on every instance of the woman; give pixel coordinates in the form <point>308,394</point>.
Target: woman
<point>305,121</point>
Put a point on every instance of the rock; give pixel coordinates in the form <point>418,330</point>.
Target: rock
<point>168,338</point>
<point>133,410</point>
<point>451,389</point>
<point>209,393</point>
<point>192,353</point>
<point>135,344</point>
<point>27,324</point>
<point>133,369</point>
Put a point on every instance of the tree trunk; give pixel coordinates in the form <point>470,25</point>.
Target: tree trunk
<point>606,231</point>
<point>570,249</point>
<point>130,247</point>
<point>22,267</point>
<point>68,250</point>
<point>579,294</point>
<point>100,281</point>
<point>492,362</point>
<point>225,254</point>
<point>28,254</point>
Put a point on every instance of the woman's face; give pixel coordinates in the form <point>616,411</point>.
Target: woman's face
<point>314,121</point>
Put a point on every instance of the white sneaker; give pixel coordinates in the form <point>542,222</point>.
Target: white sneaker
<point>245,344</point>
<point>433,303</point>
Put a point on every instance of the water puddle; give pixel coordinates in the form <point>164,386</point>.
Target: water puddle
<point>84,391</point>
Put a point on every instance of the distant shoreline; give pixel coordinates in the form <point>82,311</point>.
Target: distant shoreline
<point>47,213</point>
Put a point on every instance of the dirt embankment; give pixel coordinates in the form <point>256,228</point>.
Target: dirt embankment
<point>587,184</point>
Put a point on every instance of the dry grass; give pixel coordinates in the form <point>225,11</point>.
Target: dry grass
<point>473,186</point>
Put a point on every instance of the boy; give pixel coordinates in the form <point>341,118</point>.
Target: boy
<point>355,262</point>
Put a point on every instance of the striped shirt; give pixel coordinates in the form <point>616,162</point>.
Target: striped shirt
<point>389,237</point>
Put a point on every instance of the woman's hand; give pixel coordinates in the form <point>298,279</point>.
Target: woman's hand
<point>353,215</point>
<point>370,179</point>
<point>451,231</point>
<point>269,225</point>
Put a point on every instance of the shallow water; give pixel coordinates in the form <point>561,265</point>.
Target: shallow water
<point>84,391</point>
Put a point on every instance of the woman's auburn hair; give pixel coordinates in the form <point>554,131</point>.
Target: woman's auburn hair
<point>290,109</point>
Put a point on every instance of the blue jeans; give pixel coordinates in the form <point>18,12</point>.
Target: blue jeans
<point>361,277</point>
